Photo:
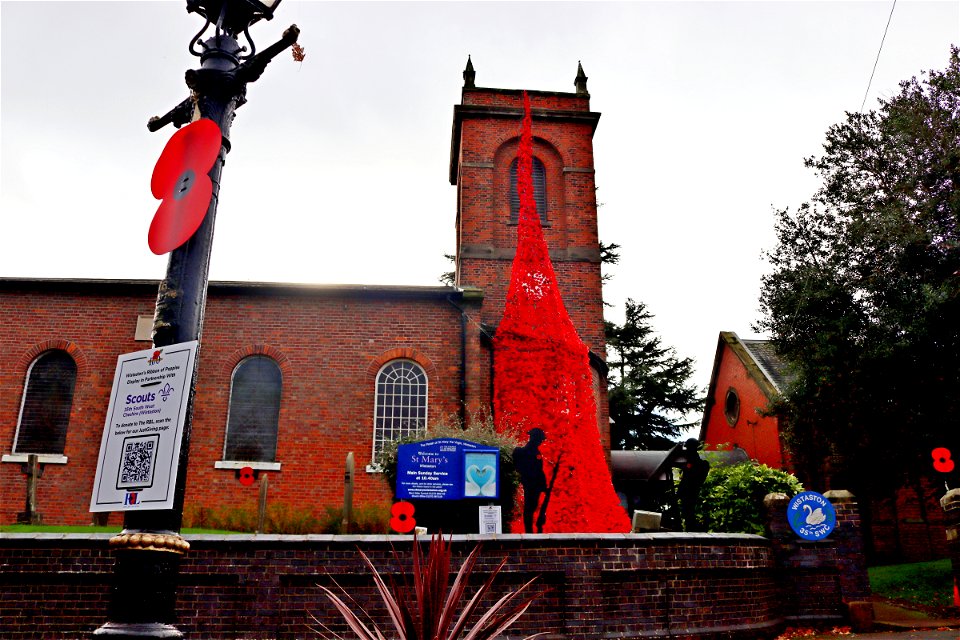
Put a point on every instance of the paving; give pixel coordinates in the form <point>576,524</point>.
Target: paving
<point>897,623</point>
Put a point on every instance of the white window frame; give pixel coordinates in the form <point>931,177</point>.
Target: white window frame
<point>378,431</point>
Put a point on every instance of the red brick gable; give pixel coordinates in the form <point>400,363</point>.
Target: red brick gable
<point>736,371</point>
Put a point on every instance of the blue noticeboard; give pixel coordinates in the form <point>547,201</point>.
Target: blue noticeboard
<point>811,515</point>
<point>447,469</point>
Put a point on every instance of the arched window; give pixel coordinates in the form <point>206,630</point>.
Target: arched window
<point>47,399</point>
<point>539,190</point>
<point>401,402</point>
<point>254,414</point>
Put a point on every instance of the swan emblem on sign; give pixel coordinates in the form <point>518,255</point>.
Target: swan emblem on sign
<point>481,481</point>
<point>814,516</point>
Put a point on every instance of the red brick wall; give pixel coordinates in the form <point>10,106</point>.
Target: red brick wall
<point>328,341</point>
<point>94,327</point>
<point>689,586</point>
<point>757,434</point>
<point>329,347</point>
<point>486,241</point>
<point>909,526</point>
<point>538,99</point>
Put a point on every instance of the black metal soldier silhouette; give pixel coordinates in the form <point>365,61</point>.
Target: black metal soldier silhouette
<point>695,471</point>
<point>529,464</point>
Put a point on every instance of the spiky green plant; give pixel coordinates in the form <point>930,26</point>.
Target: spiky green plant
<point>428,610</point>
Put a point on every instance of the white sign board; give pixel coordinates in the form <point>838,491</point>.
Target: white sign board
<point>140,448</point>
<point>490,519</point>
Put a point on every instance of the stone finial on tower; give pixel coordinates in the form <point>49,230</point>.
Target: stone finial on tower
<point>580,82</point>
<point>469,75</point>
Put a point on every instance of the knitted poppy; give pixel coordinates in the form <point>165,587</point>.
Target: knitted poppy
<point>542,379</point>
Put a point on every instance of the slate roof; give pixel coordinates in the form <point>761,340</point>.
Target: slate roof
<point>769,362</point>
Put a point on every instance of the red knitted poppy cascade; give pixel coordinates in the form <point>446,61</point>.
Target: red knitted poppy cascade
<point>543,379</point>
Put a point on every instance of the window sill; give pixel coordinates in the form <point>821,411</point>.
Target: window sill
<point>240,464</point>
<point>42,458</point>
<point>374,468</point>
<point>544,225</point>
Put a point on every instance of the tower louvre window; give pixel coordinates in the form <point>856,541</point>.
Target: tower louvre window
<point>539,191</point>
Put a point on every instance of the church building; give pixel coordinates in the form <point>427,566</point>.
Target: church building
<point>294,377</point>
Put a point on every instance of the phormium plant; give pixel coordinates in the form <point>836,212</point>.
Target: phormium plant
<point>426,607</point>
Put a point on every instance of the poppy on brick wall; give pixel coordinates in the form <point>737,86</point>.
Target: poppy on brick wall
<point>401,519</point>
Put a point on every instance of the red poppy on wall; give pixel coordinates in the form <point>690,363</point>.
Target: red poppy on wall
<point>402,520</point>
<point>941,460</point>
<point>180,179</point>
<point>247,476</point>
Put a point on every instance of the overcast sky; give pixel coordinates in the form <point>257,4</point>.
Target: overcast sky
<point>338,172</point>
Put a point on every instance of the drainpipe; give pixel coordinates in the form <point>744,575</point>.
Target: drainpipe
<point>463,361</point>
<point>487,331</point>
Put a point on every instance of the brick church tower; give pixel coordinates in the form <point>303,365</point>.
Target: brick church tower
<point>486,133</point>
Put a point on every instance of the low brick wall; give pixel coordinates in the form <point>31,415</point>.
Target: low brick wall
<point>817,580</point>
<point>665,585</point>
<point>951,507</point>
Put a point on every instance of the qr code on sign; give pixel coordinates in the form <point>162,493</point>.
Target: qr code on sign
<point>136,462</point>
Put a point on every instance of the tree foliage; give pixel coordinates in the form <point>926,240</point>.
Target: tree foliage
<point>863,297</point>
<point>650,391</point>
<point>449,278</point>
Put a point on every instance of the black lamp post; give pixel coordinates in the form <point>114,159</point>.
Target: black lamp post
<point>148,550</point>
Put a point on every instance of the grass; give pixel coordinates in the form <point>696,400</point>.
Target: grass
<point>922,583</point>
<point>28,528</point>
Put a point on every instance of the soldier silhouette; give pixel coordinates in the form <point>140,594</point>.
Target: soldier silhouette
<point>529,463</point>
<point>694,474</point>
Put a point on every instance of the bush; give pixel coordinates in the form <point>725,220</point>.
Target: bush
<point>284,519</point>
<point>368,519</point>
<point>459,516</point>
<point>732,496</point>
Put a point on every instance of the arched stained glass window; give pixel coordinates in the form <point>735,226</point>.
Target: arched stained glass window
<point>401,402</point>
<point>47,399</point>
<point>254,415</point>
<point>539,191</point>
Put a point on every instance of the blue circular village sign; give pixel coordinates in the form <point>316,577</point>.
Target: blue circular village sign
<point>811,515</point>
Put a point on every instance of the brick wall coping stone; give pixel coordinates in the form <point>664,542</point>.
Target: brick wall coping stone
<point>704,538</point>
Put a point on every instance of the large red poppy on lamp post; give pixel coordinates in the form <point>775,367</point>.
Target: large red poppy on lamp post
<point>180,179</point>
